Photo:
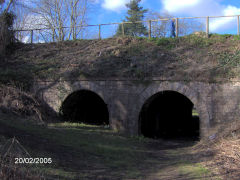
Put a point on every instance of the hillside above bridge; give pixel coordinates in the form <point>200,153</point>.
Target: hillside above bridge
<point>188,58</point>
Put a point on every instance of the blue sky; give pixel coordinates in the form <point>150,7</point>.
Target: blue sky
<point>106,11</point>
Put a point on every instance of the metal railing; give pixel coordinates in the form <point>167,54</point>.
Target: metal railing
<point>155,28</point>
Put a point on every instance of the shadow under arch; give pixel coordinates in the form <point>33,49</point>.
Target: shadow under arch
<point>169,115</point>
<point>85,106</point>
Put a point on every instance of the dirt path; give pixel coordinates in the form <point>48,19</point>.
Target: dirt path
<point>150,160</point>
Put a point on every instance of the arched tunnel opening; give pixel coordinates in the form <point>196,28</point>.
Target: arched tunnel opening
<point>85,107</point>
<point>169,115</point>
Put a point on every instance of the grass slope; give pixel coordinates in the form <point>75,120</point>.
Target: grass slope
<point>90,152</point>
<point>191,57</point>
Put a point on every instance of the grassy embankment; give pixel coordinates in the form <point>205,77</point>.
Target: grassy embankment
<point>90,152</point>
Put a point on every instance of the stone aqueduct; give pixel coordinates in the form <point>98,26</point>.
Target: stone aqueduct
<point>215,102</point>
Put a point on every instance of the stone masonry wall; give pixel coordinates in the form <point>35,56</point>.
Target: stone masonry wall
<point>215,103</point>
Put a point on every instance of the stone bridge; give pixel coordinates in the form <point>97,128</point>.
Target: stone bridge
<point>125,99</point>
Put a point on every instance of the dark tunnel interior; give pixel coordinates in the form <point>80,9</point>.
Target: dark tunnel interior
<point>169,115</point>
<point>85,107</point>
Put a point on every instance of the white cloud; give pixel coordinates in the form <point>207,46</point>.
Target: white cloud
<point>203,8</point>
<point>192,7</point>
<point>115,5</point>
<point>229,10</point>
<point>225,23</point>
<point>177,5</point>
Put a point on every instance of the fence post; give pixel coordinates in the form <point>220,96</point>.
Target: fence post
<point>99,33</point>
<point>31,36</point>
<point>123,33</point>
<point>207,27</point>
<point>238,26</point>
<point>177,27</point>
<point>150,29</point>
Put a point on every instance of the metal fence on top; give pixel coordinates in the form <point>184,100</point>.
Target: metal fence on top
<point>155,28</point>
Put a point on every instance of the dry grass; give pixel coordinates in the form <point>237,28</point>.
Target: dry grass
<point>185,58</point>
<point>224,161</point>
<point>10,170</point>
<point>16,101</point>
<point>17,173</point>
<point>224,147</point>
<point>227,158</point>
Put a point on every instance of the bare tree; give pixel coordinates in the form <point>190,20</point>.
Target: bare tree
<point>5,5</point>
<point>57,15</point>
<point>50,14</point>
<point>6,26</point>
<point>77,12</point>
<point>162,28</point>
<point>21,10</point>
<point>9,5</point>
<point>190,26</point>
<point>18,8</point>
<point>159,28</point>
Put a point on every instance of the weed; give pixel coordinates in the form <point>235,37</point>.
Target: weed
<point>18,78</point>
<point>229,59</point>
<point>236,37</point>
<point>135,49</point>
<point>167,43</point>
<point>196,170</point>
<point>140,138</point>
<point>197,41</point>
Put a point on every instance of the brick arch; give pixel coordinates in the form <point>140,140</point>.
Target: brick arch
<point>94,92</point>
<point>88,86</point>
<point>183,89</point>
<point>68,88</point>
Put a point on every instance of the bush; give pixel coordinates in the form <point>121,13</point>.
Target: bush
<point>6,32</point>
<point>168,43</point>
